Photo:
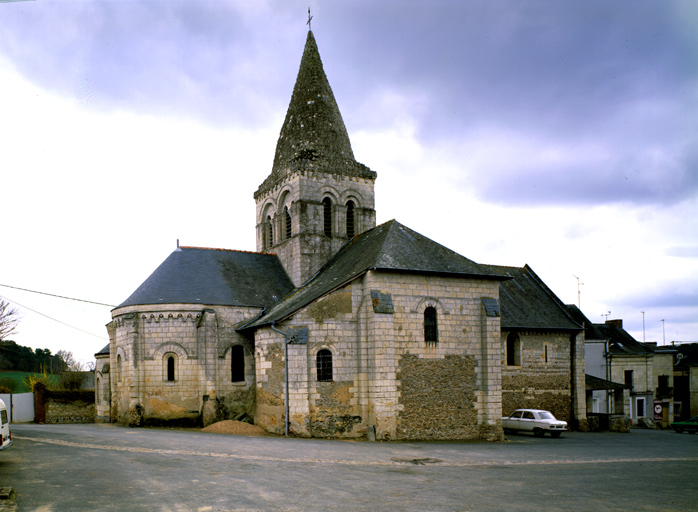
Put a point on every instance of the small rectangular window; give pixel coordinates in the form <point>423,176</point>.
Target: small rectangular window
<point>324,365</point>
<point>513,351</point>
<point>170,369</point>
<point>431,328</point>
<point>237,364</point>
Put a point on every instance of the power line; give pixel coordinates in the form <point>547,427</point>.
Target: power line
<point>58,296</point>
<point>50,318</point>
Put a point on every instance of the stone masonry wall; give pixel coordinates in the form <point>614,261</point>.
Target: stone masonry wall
<point>302,192</point>
<point>384,374</point>
<point>102,389</point>
<point>465,334</point>
<point>542,380</point>
<point>437,398</point>
<point>69,412</point>
<point>199,339</point>
<point>319,409</point>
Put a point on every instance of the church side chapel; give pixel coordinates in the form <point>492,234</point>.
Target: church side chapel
<point>336,327</point>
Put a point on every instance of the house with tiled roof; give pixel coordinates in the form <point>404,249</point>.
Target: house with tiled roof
<point>337,327</point>
<point>625,377</point>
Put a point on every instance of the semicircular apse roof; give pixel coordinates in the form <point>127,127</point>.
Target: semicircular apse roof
<point>192,275</point>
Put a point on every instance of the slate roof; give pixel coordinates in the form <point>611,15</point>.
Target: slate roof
<point>527,303</point>
<point>104,351</point>
<point>313,135</point>
<point>390,247</point>
<point>596,383</point>
<point>620,342</point>
<point>192,275</point>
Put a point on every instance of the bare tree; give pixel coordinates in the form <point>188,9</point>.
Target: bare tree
<point>9,318</point>
<point>70,364</point>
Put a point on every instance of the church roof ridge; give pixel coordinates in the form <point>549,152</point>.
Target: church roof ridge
<point>228,250</point>
<point>527,303</point>
<point>388,247</point>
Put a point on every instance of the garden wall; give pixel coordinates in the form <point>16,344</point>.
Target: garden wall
<point>63,406</point>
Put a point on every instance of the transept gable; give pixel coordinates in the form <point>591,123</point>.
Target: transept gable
<point>390,247</point>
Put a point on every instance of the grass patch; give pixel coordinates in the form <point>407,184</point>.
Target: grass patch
<point>18,378</point>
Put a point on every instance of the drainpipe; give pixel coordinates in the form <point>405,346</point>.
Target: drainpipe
<point>573,382</point>
<point>285,371</point>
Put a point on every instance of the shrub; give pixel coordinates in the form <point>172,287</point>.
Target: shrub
<point>71,381</point>
<point>8,385</point>
<point>31,380</point>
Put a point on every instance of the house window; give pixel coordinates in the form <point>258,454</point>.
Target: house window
<point>431,330</point>
<point>118,368</point>
<point>350,219</point>
<point>327,216</point>
<point>287,219</point>
<point>99,391</point>
<point>170,365</point>
<point>629,379</point>
<point>237,364</point>
<point>324,365</point>
<point>270,232</point>
<point>513,349</point>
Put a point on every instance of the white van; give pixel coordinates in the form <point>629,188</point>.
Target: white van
<point>5,434</point>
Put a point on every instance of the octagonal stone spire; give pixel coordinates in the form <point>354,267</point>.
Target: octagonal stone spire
<point>313,135</point>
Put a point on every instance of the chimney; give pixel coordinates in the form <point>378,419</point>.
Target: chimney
<point>617,323</point>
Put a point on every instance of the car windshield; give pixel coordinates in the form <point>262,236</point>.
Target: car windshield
<point>545,415</point>
<point>694,419</point>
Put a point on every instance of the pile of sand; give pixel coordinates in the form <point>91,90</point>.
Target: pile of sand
<point>239,428</point>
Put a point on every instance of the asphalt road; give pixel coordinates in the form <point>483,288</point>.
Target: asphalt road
<point>108,467</point>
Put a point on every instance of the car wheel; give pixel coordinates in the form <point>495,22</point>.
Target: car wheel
<point>691,431</point>
<point>538,432</point>
<point>555,434</point>
<point>678,430</point>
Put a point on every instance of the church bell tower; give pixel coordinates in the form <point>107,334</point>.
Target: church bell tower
<point>317,197</point>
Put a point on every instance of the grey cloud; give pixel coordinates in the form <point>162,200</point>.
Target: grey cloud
<point>619,76</point>
<point>680,295</point>
<point>629,177</point>
<point>165,58</point>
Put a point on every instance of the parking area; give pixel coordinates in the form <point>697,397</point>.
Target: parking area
<point>108,467</point>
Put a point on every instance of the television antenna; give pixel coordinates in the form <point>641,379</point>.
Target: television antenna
<point>579,292</point>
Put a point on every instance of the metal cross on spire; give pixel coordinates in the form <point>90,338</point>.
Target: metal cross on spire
<point>309,19</point>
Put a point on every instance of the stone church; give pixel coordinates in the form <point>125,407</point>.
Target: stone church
<point>337,327</point>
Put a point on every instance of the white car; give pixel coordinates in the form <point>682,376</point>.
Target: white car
<point>534,420</point>
<point>5,434</point>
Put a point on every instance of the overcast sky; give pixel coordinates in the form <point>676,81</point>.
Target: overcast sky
<point>563,135</point>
